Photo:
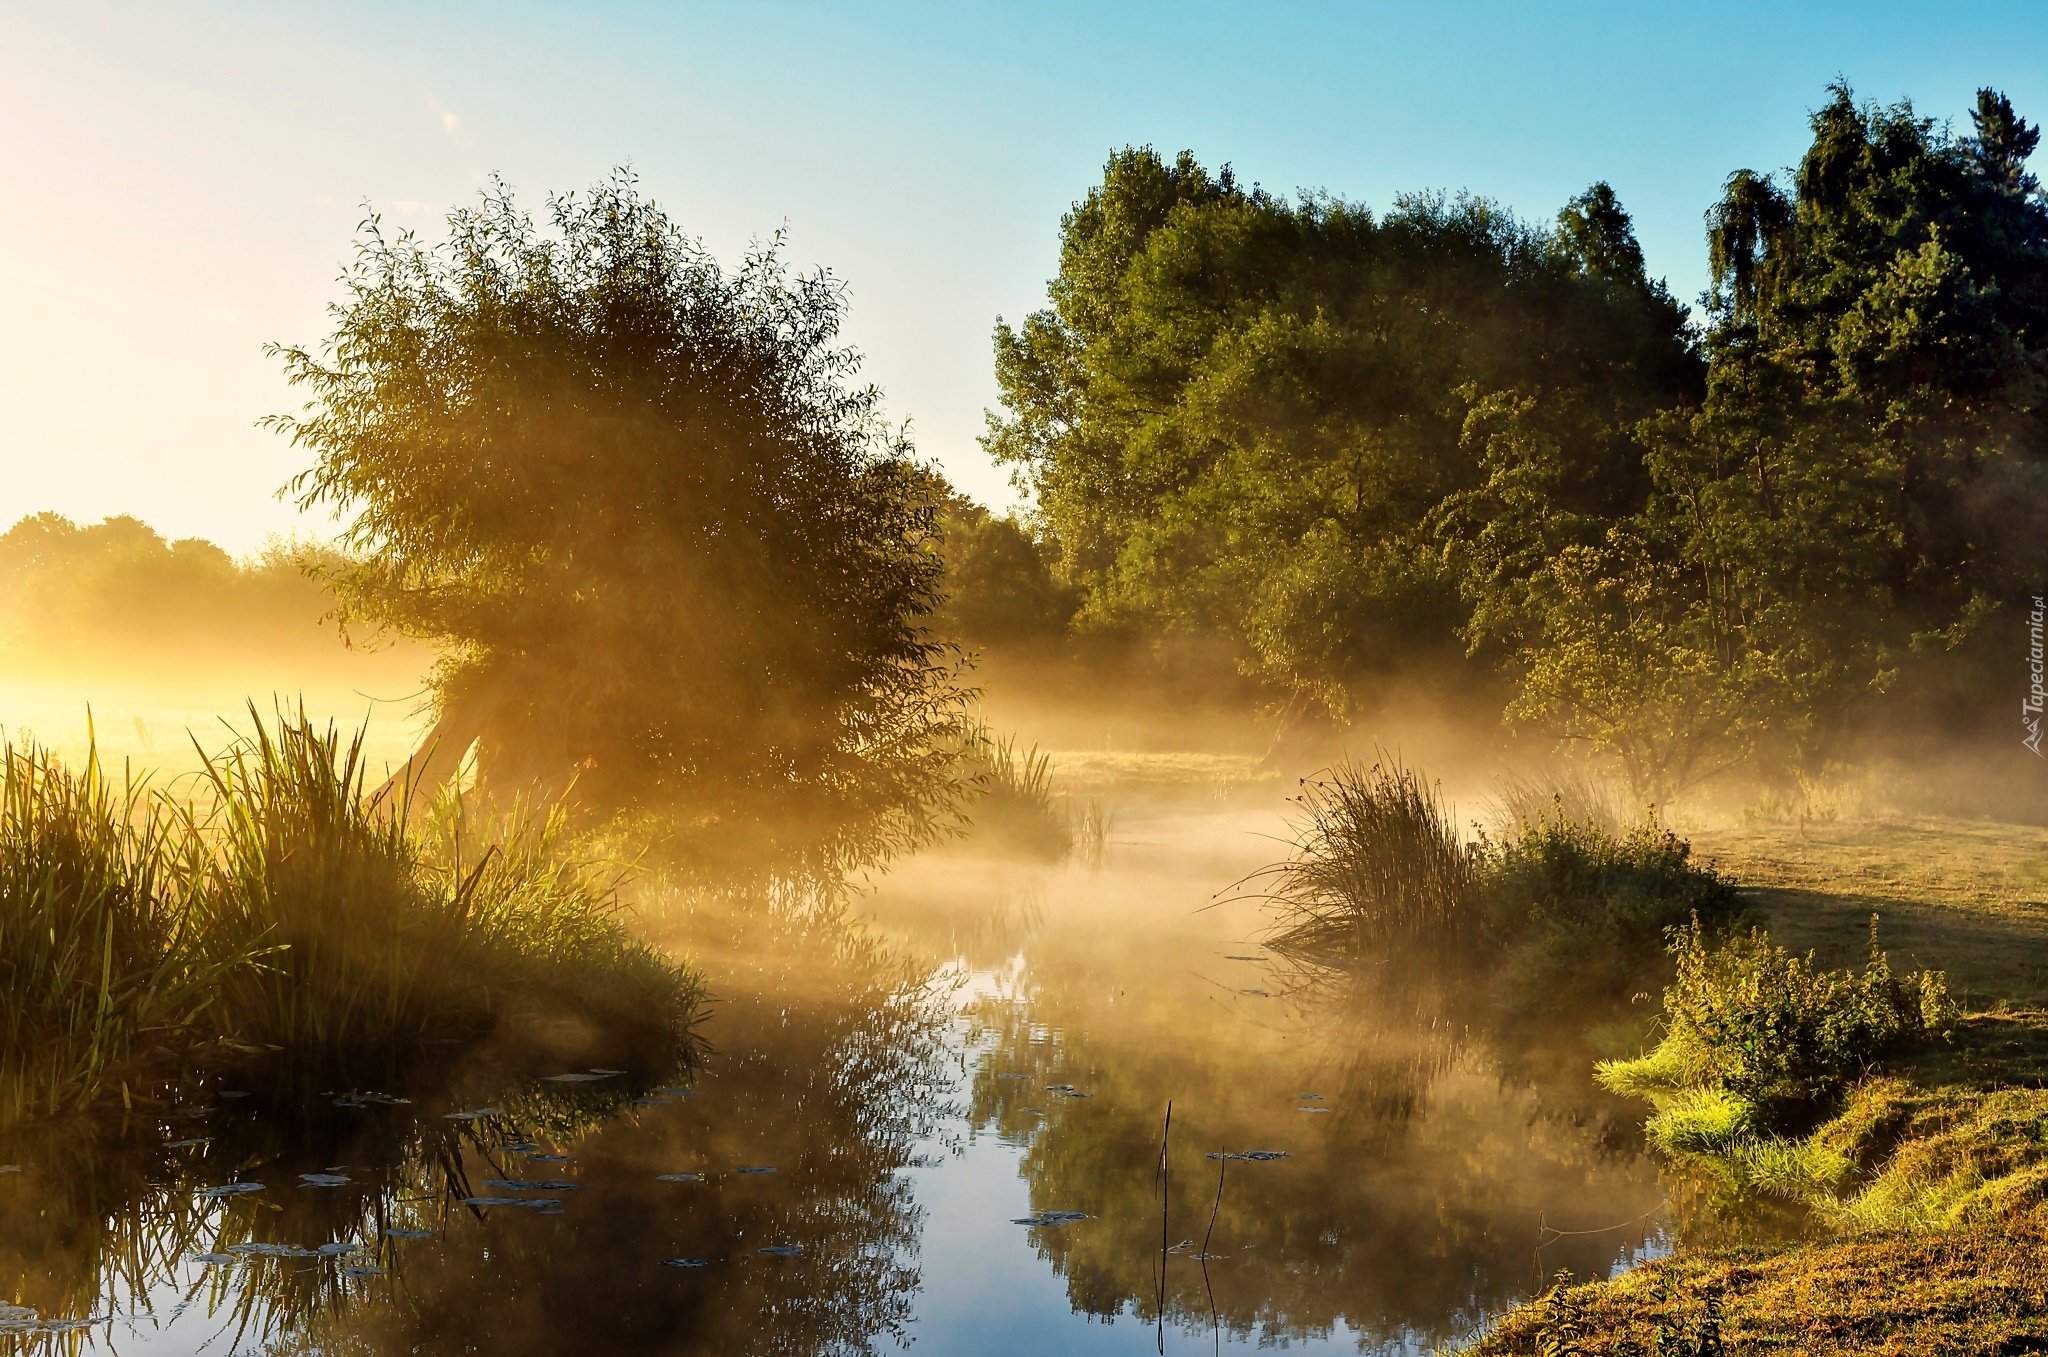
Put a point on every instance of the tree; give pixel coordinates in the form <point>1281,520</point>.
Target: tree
<point>1241,415</point>
<point>670,548</point>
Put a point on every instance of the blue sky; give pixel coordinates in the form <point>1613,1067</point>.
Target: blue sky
<point>183,180</point>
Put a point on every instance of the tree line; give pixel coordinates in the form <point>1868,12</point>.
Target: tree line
<point>1343,444</point>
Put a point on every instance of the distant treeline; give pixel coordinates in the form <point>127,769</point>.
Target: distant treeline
<point>1340,444</point>
<point>116,591</point>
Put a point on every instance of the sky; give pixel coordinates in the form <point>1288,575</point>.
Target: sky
<point>183,182</point>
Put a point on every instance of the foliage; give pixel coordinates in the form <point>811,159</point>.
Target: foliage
<point>1239,413</point>
<point>672,551</point>
<point>1769,1028</point>
<point>102,944</point>
<point>999,584</point>
<point>1585,910</point>
<point>1561,906</point>
<point>291,910</point>
<point>1860,486</point>
<point>117,590</point>
<point>1016,808</point>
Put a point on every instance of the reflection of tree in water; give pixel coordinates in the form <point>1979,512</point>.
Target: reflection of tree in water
<point>836,1078</point>
<point>1409,1209</point>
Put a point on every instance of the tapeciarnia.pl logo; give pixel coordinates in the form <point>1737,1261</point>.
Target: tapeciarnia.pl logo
<point>2030,709</point>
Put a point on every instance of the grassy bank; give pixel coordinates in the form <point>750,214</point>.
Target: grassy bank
<point>1909,1135</point>
<point>277,906</point>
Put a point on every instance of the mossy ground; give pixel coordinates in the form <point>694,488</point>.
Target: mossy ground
<point>1928,1190</point>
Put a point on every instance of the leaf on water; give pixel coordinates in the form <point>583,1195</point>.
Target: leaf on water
<point>757,1168</point>
<point>214,1259</point>
<point>255,1250</point>
<point>229,1190</point>
<point>1312,1109</point>
<point>652,1101</point>
<point>1247,958</point>
<point>494,1201</point>
<point>523,1147</point>
<point>169,1145</point>
<point>557,1185</point>
<point>781,1250</point>
<point>1013,1076</point>
<point>362,1270</point>
<point>1254,1156</point>
<point>549,1158</point>
<point>1256,993</point>
<point>512,1184</point>
<point>1310,1097</point>
<point>678,1177</point>
<point>576,1078</point>
<point>681,1092</point>
<point>480,1113</point>
<point>684,1262</point>
<point>338,1247</point>
<point>324,1179</point>
<point>595,1070</point>
<point>1051,1218</point>
<point>408,1234</point>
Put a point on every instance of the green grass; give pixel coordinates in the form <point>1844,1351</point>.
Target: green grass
<point>1919,1166</point>
<point>285,908</point>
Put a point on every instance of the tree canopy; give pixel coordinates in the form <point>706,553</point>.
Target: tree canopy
<point>669,544</point>
<point>1342,441</point>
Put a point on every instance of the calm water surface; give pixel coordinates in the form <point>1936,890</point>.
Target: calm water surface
<point>994,1042</point>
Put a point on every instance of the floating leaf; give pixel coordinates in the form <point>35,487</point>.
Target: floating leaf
<point>494,1201</point>
<point>607,1073</point>
<point>1051,1218</point>
<point>255,1250</point>
<point>339,1247</point>
<point>1254,1156</point>
<point>1312,1109</point>
<point>781,1250</point>
<point>1256,993</point>
<point>678,1177</point>
<point>757,1168</point>
<point>477,1115</point>
<point>408,1234</point>
<point>229,1190</point>
<point>523,1147</point>
<point>684,1262</point>
<point>362,1270</point>
<point>324,1179</point>
<point>215,1259</point>
<point>1246,958</point>
<point>576,1078</point>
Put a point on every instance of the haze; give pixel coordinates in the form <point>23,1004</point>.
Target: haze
<point>185,183</point>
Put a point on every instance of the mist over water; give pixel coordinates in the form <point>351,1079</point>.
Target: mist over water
<point>980,1042</point>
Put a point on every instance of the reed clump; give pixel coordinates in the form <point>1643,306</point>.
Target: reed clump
<point>1015,807</point>
<point>1555,903</point>
<point>290,909</point>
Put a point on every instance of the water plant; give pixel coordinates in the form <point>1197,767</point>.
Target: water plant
<point>287,908</point>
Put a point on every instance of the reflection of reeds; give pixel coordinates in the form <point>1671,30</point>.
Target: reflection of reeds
<point>291,911</point>
<point>1377,859</point>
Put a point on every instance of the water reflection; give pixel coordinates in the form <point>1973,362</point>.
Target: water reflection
<point>994,1043</point>
<point>1420,1177</point>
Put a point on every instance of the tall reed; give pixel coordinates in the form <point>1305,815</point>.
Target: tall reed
<point>100,947</point>
<point>1377,859</point>
<point>290,910</point>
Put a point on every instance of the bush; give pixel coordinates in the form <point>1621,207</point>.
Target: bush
<point>1581,907</point>
<point>1759,1040</point>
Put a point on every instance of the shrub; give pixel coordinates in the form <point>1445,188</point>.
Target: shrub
<point>1585,909</point>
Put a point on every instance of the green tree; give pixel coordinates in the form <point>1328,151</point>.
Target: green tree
<point>1241,415</point>
<point>669,545</point>
<point>1859,491</point>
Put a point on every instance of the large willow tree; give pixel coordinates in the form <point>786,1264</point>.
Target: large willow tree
<point>673,554</point>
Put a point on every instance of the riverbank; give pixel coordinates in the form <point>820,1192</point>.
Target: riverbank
<point>1929,1236</point>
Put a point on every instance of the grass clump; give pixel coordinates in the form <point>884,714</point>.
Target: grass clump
<point>103,944</point>
<point>1016,809</point>
<point>1555,902</point>
<point>290,910</point>
<point>1377,859</point>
